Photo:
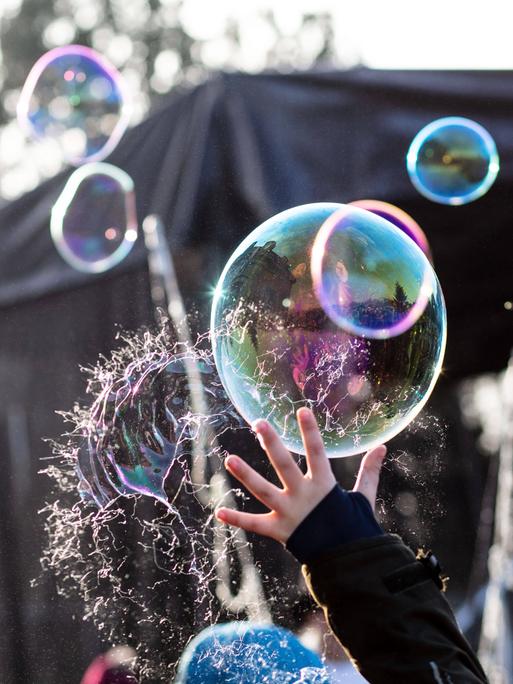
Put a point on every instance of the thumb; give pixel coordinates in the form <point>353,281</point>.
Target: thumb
<point>367,480</point>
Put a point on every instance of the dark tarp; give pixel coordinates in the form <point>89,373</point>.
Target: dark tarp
<point>215,162</point>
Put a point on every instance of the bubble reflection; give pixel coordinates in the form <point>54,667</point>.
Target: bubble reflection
<point>399,218</point>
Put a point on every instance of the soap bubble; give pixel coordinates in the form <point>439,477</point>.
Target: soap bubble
<point>94,222</point>
<point>370,278</point>
<point>276,349</point>
<point>399,218</point>
<point>140,428</point>
<point>453,161</point>
<point>76,96</point>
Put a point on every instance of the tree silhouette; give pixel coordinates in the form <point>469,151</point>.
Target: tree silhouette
<point>400,300</point>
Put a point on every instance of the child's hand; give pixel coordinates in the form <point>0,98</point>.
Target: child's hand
<point>301,493</point>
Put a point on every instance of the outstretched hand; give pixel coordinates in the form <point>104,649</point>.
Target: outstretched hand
<point>301,493</point>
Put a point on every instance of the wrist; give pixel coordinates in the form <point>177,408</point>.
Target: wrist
<point>340,518</point>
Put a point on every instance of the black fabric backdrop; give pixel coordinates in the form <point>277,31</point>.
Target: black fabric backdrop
<point>214,162</point>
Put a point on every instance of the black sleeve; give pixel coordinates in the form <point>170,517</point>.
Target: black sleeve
<point>390,616</point>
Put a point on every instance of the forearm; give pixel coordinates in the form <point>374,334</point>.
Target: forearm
<point>389,615</point>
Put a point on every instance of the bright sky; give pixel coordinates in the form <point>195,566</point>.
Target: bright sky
<point>404,34</point>
<point>434,34</point>
<point>439,34</point>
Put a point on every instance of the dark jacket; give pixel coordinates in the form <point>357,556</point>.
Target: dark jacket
<point>387,610</point>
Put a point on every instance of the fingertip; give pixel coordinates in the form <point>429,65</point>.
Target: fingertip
<point>378,453</point>
<point>373,459</point>
<point>220,514</point>
<point>231,462</point>
<point>259,426</point>
<point>367,480</point>
<point>305,414</point>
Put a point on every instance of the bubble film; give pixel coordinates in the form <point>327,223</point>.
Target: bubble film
<point>277,349</point>
<point>399,218</point>
<point>76,96</point>
<point>94,223</point>
<point>452,161</point>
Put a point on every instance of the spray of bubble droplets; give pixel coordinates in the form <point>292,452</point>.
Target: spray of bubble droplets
<point>412,480</point>
<point>141,544</point>
<point>131,528</point>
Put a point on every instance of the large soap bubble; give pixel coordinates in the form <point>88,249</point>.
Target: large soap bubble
<point>399,218</point>
<point>276,348</point>
<point>94,221</point>
<point>74,95</point>
<point>453,161</point>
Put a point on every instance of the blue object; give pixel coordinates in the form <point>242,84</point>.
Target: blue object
<point>248,653</point>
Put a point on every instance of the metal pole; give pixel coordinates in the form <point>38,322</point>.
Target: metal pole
<point>166,293</point>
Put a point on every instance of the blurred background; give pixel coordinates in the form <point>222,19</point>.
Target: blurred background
<point>239,111</point>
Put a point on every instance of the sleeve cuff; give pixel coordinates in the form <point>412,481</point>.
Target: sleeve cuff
<point>341,517</point>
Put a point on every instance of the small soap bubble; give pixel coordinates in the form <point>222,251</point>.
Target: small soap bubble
<point>371,279</point>
<point>399,218</point>
<point>453,160</point>
<point>74,95</point>
<point>94,223</point>
<point>273,359</point>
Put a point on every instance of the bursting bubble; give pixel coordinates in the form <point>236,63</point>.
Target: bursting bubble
<point>94,223</point>
<point>399,218</point>
<point>453,161</point>
<point>74,95</point>
<point>141,425</point>
<point>276,348</point>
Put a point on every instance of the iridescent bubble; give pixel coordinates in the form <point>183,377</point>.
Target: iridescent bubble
<point>370,278</point>
<point>76,96</point>
<point>141,424</point>
<point>453,161</point>
<point>94,222</point>
<point>276,348</point>
<point>399,218</point>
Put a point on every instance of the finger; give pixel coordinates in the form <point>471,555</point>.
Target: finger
<point>263,490</point>
<point>286,468</point>
<point>316,459</point>
<point>367,480</point>
<point>259,523</point>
